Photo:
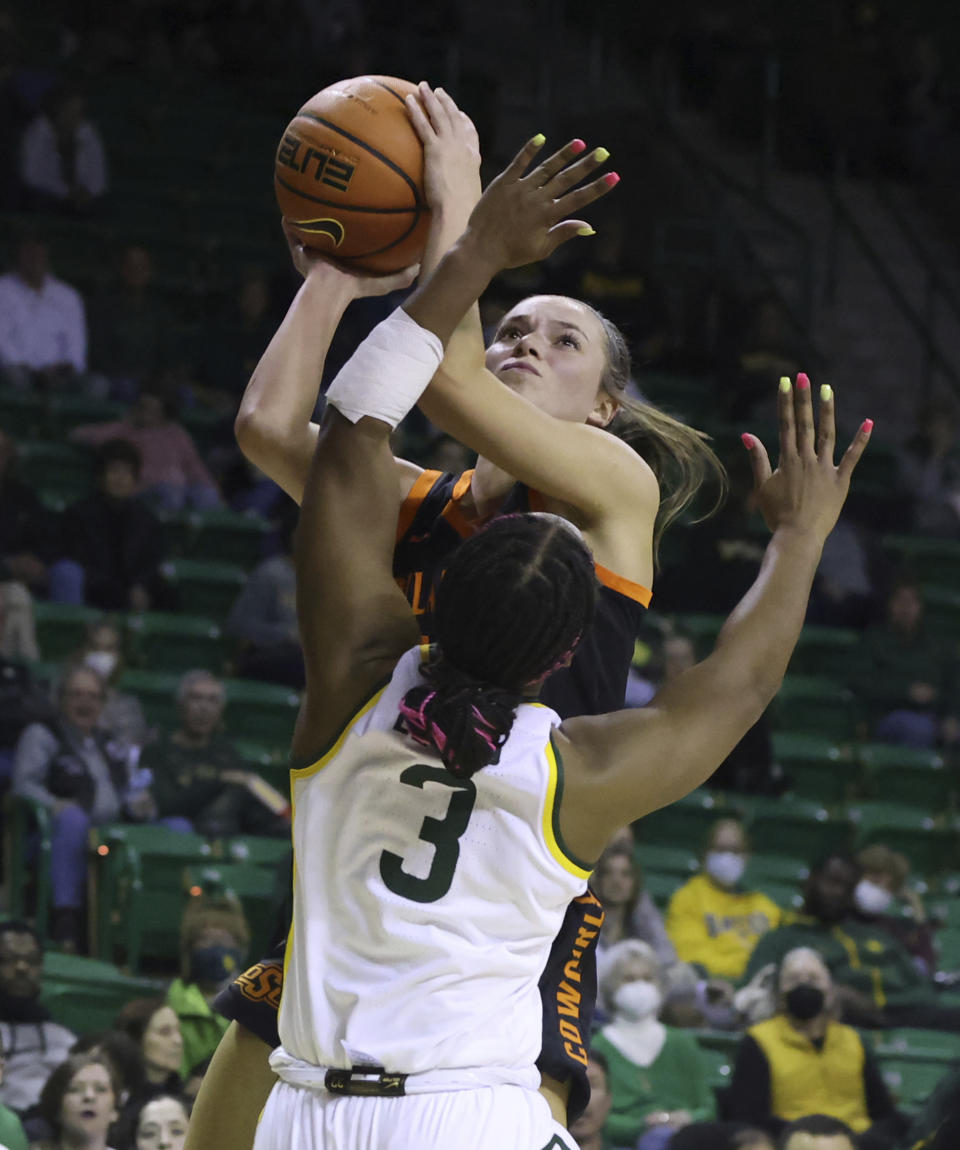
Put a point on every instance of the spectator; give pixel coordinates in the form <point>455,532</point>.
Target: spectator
<point>802,1061</point>
<point>930,470</point>
<point>112,545</point>
<point>588,1128</point>
<point>712,920</point>
<point>154,1026</point>
<point>818,1132</point>
<point>22,700</point>
<point>123,1054</point>
<point>26,533</point>
<point>844,592</point>
<point>130,329</point>
<point>43,324</point>
<point>67,765</point>
<point>656,1073</point>
<point>199,780</point>
<point>905,677</point>
<point>122,717</point>
<point>12,1136</point>
<point>214,940</point>
<point>232,349</point>
<point>172,475</point>
<point>63,164</point>
<point>32,1044</point>
<point>264,618</point>
<point>884,879</point>
<point>876,982</point>
<point>629,911</point>
<point>79,1103</point>
<point>162,1124</point>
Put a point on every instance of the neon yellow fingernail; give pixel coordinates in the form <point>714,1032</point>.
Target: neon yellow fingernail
<point>539,139</point>
<point>785,384</point>
<point>586,231</point>
<point>826,393</point>
<point>601,154</point>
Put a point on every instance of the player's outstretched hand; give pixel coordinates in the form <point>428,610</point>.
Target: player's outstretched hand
<point>806,491</point>
<point>308,262</point>
<point>523,218</point>
<point>451,150</point>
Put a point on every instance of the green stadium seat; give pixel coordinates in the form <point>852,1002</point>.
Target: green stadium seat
<point>948,943</point>
<point>662,887</point>
<point>138,884</point>
<point>815,704</point>
<point>824,651</point>
<point>776,868</point>
<point>205,588</point>
<point>227,536</point>
<point>718,1065</point>
<point>263,712</point>
<point>703,629</point>
<point>68,411</point>
<point>682,824</point>
<point>61,627</point>
<point>59,469</point>
<point>257,888</point>
<point>21,413</point>
<point>656,857</point>
<point>156,691</point>
<point>787,895</point>
<point>911,1080</point>
<point>908,775</point>
<point>257,850</point>
<point>818,768</point>
<point>176,643</point>
<point>797,828</point>
<point>930,843</point>
<point>86,994</point>
<point>942,611</point>
<point>25,819</point>
<point>917,1043</point>
<point>936,561</point>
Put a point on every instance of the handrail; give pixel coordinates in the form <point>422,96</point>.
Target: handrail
<point>938,280</point>
<point>889,281</point>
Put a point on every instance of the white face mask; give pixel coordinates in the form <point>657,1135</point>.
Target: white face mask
<point>637,1000</point>
<point>870,898</point>
<point>726,867</point>
<point>102,663</point>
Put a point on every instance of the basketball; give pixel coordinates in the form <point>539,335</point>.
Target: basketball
<point>349,175</point>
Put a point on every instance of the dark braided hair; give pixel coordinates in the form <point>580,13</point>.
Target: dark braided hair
<point>513,603</point>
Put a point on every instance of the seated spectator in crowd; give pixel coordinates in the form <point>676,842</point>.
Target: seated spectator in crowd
<point>26,532</point>
<point>18,629</point>
<point>214,940</point>
<point>818,1132</point>
<point>22,700</point>
<point>32,1044</point>
<point>885,879</point>
<point>802,1061</point>
<point>930,470</point>
<point>588,1129</point>
<point>12,1136</point>
<point>264,618</point>
<point>876,982</point>
<point>906,674</point>
<point>712,920</point>
<point>80,1104</point>
<point>123,1054</point>
<point>43,324</point>
<point>154,1027</point>
<point>66,764</point>
<point>629,911</point>
<point>161,1124</point>
<point>172,474</point>
<point>844,592</point>
<point>199,779</point>
<point>130,329</point>
<point>656,1073</point>
<point>63,164</point>
<point>232,346</point>
<point>122,717</point>
<point>112,545</point>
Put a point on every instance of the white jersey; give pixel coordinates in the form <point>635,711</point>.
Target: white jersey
<point>424,906</point>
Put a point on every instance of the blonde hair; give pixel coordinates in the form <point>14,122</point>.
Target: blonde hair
<point>679,456</point>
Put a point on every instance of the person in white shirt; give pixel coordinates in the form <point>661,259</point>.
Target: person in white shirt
<point>63,163</point>
<point>43,323</point>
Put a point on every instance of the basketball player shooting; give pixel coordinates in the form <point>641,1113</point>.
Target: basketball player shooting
<point>440,838</point>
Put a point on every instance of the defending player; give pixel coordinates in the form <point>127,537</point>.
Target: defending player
<point>441,841</point>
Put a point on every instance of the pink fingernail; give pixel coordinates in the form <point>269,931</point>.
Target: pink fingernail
<point>577,147</point>
<point>867,426</point>
<point>611,179</point>
<point>803,383</point>
<point>747,441</point>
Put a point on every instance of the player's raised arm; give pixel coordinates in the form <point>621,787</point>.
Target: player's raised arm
<point>626,765</point>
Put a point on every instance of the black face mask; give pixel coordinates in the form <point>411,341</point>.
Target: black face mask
<point>805,1001</point>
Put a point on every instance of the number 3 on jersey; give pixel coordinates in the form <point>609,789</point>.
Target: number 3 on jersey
<point>444,834</point>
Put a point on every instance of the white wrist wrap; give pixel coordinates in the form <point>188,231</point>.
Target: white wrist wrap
<point>388,372</point>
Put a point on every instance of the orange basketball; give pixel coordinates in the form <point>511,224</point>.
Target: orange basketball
<point>349,175</point>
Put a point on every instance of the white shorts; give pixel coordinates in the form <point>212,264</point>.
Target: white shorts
<point>491,1118</point>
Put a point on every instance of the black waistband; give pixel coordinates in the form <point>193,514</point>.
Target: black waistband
<point>369,1081</point>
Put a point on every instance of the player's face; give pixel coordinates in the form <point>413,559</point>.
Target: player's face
<point>553,351</point>
<point>162,1125</point>
<point>163,1042</point>
<point>89,1105</point>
